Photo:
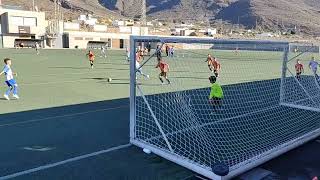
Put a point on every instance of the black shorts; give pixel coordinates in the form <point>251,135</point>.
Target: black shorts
<point>163,74</point>
<point>216,101</point>
<point>216,73</point>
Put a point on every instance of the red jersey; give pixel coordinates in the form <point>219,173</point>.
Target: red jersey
<point>164,67</point>
<point>138,57</point>
<point>209,60</point>
<point>216,64</point>
<point>91,56</point>
<point>299,67</point>
<point>141,52</point>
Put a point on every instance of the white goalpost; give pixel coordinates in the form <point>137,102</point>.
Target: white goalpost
<point>265,110</point>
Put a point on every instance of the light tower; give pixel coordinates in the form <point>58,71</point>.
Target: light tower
<point>144,13</point>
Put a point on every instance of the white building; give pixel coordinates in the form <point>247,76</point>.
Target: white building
<point>21,26</point>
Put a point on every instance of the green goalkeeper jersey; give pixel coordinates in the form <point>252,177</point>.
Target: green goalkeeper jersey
<point>216,91</point>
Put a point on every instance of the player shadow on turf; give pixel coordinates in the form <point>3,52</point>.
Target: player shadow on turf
<point>119,83</point>
<point>96,78</point>
<point>113,79</point>
<point>105,80</point>
<point>61,67</point>
<point>11,99</point>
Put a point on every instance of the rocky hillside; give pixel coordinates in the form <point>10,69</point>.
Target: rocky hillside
<point>303,15</point>
<point>169,9</point>
<point>71,8</point>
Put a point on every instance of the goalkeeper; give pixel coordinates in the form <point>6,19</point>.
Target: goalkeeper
<point>216,94</point>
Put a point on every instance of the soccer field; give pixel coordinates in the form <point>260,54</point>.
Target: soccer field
<point>73,110</point>
<point>63,77</point>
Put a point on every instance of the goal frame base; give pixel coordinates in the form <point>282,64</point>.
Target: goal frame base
<point>243,167</point>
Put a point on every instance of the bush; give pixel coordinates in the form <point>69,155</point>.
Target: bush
<point>193,34</point>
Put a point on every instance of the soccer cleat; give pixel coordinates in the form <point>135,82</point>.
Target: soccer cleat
<point>16,96</point>
<point>6,97</point>
<point>162,83</point>
<point>148,77</point>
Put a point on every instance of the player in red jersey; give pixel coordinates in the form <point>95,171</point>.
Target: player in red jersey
<point>209,60</point>
<point>164,70</point>
<point>216,66</point>
<point>299,69</point>
<point>91,57</point>
<point>141,53</point>
<point>138,57</point>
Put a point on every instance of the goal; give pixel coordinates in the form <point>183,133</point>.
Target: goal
<point>258,118</point>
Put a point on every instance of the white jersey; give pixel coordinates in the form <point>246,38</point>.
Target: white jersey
<point>8,72</point>
<point>137,65</point>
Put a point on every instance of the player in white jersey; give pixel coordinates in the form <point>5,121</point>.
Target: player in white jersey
<point>37,47</point>
<point>12,84</point>
<point>103,52</point>
<point>128,54</point>
<point>139,70</point>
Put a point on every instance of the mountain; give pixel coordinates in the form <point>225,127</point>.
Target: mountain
<point>303,15</point>
<point>296,15</point>
<point>71,8</point>
<point>169,9</point>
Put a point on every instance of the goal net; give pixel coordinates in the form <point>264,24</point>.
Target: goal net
<point>301,83</point>
<point>242,120</point>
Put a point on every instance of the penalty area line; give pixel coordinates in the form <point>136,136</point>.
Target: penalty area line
<point>47,166</point>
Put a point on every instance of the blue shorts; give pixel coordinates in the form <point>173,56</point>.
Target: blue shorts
<point>11,82</point>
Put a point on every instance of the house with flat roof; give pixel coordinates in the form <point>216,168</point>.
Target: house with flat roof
<point>21,27</point>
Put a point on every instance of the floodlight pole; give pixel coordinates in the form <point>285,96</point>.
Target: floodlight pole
<point>144,13</point>
<point>143,20</point>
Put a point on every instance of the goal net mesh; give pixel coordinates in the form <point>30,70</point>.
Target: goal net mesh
<point>179,119</point>
<point>302,91</point>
